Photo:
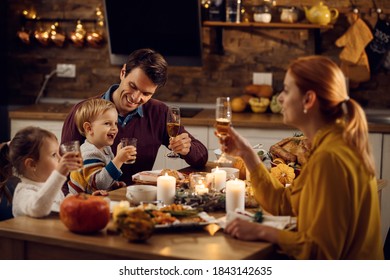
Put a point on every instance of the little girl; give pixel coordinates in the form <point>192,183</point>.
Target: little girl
<point>34,156</point>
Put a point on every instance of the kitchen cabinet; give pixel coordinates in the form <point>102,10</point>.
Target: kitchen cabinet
<point>216,31</point>
<point>205,134</point>
<point>267,137</point>
<point>385,203</point>
<point>376,140</point>
<point>51,125</point>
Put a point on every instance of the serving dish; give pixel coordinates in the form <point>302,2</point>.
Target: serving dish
<point>150,177</point>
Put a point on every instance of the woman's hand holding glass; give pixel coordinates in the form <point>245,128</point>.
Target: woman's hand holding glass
<point>223,118</point>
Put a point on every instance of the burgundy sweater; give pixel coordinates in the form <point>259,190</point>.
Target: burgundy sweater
<point>150,130</point>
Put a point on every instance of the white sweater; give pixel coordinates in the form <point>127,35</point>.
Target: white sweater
<point>37,199</point>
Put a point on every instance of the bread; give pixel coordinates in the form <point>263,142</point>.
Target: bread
<point>171,172</point>
<point>293,149</point>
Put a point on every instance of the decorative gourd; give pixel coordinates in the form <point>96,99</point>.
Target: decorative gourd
<point>284,173</point>
<point>135,225</point>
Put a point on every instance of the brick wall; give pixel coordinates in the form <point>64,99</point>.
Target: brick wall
<point>245,51</point>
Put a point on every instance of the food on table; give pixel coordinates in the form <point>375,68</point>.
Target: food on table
<point>284,173</point>
<point>135,225</point>
<point>294,149</point>
<point>160,218</point>
<point>171,172</point>
<point>84,213</point>
<point>121,207</point>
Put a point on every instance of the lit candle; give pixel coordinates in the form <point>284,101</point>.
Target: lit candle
<point>200,188</point>
<point>166,189</point>
<point>219,179</point>
<point>235,195</point>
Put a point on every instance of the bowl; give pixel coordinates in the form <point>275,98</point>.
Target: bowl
<point>218,154</point>
<point>137,193</point>
<point>231,172</point>
<point>262,17</point>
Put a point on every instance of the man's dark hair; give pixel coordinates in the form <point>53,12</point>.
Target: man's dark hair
<point>151,62</point>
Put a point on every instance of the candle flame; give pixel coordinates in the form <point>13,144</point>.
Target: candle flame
<point>212,229</point>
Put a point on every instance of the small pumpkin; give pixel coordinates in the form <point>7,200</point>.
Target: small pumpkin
<point>284,173</point>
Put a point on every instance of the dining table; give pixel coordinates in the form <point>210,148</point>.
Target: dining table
<point>48,238</point>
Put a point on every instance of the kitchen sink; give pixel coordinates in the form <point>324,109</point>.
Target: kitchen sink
<point>378,118</point>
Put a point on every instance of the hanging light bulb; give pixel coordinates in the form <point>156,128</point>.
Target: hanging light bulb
<point>78,35</point>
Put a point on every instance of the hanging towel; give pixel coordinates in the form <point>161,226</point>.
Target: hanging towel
<point>354,60</point>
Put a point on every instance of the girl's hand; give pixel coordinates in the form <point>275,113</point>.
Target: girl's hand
<point>68,162</point>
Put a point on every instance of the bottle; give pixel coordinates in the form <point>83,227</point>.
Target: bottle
<point>217,10</point>
<point>231,10</point>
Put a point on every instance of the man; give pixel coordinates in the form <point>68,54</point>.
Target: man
<point>142,117</point>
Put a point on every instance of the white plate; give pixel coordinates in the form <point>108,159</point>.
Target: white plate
<point>150,176</point>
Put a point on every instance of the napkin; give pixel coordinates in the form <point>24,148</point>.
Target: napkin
<point>279,222</point>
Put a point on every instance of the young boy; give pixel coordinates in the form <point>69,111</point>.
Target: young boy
<point>97,121</point>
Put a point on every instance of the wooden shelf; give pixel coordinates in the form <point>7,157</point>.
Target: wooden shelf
<point>218,26</point>
<point>266,25</point>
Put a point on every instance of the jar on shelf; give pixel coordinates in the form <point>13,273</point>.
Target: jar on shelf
<point>262,13</point>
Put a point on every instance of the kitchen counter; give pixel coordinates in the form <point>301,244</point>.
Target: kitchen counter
<point>206,117</point>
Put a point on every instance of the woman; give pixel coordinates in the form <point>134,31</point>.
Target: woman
<point>335,196</point>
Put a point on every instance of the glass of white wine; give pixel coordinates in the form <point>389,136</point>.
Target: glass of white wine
<point>173,126</point>
<point>223,117</point>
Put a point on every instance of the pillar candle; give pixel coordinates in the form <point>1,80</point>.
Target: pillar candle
<point>219,179</point>
<point>166,189</point>
<point>235,195</point>
<point>210,182</point>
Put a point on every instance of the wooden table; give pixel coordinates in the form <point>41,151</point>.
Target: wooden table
<point>47,238</point>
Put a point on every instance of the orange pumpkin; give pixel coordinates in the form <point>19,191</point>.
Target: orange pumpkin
<point>84,213</point>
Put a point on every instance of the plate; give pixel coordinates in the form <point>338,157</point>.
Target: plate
<point>150,177</point>
<point>187,226</point>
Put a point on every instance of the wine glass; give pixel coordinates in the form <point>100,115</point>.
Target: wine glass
<point>223,117</point>
<point>173,126</point>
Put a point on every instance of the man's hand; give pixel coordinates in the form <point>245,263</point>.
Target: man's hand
<point>180,144</point>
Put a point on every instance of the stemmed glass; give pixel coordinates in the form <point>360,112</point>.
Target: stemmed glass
<point>223,117</point>
<point>173,125</point>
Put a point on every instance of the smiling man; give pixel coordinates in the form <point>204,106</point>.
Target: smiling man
<point>142,117</point>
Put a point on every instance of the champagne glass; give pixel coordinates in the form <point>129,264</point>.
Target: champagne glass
<point>173,126</point>
<point>223,117</point>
